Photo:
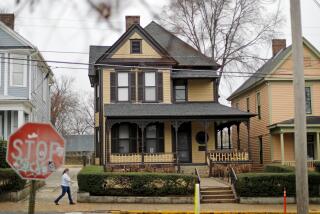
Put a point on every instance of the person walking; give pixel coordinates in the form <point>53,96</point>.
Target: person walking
<point>65,186</point>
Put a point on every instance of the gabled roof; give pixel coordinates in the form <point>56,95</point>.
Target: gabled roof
<point>12,39</point>
<point>259,76</point>
<point>95,52</point>
<point>105,58</point>
<point>182,52</point>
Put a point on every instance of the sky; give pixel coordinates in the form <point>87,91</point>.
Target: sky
<point>63,30</point>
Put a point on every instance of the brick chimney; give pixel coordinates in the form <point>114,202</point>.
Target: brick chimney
<point>278,45</point>
<point>130,20</point>
<point>7,19</point>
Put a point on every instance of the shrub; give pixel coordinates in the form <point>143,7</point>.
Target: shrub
<point>3,151</point>
<point>273,184</point>
<point>93,180</point>
<point>10,181</point>
<point>317,166</point>
<point>278,168</point>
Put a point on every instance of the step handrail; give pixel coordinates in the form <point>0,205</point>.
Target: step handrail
<point>198,175</point>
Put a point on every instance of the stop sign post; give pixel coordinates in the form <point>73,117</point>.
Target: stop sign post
<point>34,151</point>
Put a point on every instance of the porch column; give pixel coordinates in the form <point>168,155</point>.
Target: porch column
<point>248,130</point>
<point>206,139</point>
<point>108,150</point>
<point>238,136</point>
<point>229,137</point>
<point>282,147</point>
<point>221,137</point>
<point>20,118</point>
<point>142,144</point>
<point>5,125</point>
<point>318,146</point>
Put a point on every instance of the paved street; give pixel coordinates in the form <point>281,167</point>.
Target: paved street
<point>47,194</point>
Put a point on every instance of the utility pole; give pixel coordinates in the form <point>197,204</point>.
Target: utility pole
<point>302,193</point>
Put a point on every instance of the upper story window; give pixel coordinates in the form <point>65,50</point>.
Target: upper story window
<point>97,103</point>
<point>123,86</point>
<point>180,91</point>
<point>135,46</point>
<point>18,70</point>
<point>150,86</point>
<point>258,105</point>
<point>308,100</point>
<point>248,104</point>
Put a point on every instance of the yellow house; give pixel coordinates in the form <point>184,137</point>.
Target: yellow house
<point>269,94</point>
<point>156,101</point>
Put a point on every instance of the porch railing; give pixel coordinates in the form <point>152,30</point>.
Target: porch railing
<point>310,163</point>
<point>228,156</point>
<point>137,158</point>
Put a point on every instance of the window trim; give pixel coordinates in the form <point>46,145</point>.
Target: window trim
<point>185,83</point>
<point>128,87</point>
<point>25,70</point>
<point>2,61</point>
<point>155,86</point>
<point>310,88</point>
<point>248,104</point>
<point>135,40</point>
<point>158,138</point>
<point>258,94</point>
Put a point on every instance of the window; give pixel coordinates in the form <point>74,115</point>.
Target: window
<point>308,100</point>
<point>97,88</point>
<point>18,71</point>
<point>124,139</point>
<point>258,105</point>
<point>135,46</point>
<point>248,104</point>
<point>123,86</point>
<point>154,138</point>
<point>310,146</point>
<point>180,92</point>
<point>150,86</point>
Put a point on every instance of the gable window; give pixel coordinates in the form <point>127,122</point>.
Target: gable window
<point>248,104</point>
<point>308,100</point>
<point>258,105</point>
<point>18,70</point>
<point>180,92</point>
<point>150,86</point>
<point>135,46</point>
<point>123,86</point>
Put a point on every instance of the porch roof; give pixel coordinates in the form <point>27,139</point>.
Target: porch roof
<point>311,120</point>
<point>193,74</point>
<point>201,110</point>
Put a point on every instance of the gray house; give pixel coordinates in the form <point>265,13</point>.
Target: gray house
<point>24,80</point>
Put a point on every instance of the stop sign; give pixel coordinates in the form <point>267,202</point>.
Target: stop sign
<point>35,150</point>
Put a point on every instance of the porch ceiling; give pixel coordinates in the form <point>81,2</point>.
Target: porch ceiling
<point>208,110</point>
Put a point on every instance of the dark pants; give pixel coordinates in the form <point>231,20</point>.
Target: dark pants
<point>64,191</point>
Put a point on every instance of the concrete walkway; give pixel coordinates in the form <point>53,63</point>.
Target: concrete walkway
<point>212,182</point>
<point>47,194</point>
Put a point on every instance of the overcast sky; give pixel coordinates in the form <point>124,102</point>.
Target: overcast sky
<point>71,26</point>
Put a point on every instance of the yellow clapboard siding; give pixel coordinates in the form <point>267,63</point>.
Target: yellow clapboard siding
<point>200,90</point>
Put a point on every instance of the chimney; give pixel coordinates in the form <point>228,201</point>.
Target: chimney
<point>278,45</point>
<point>7,19</point>
<point>130,20</point>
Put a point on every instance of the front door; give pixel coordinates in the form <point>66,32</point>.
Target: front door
<point>184,142</point>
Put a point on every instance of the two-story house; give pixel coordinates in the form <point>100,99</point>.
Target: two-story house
<point>269,94</point>
<point>156,100</point>
<point>24,80</point>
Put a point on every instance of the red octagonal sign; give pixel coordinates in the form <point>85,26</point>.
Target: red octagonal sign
<point>35,150</point>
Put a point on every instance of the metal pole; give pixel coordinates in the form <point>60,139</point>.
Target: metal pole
<point>32,197</point>
<point>302,194</point>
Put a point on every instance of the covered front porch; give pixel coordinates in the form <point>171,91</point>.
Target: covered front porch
<point>282,136</point>
<point>171,134</point>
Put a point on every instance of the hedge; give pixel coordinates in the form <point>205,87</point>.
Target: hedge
<point>10,181</point>
<point>3,151</point>
<point>278,168</point>
<point>273,184</point>
<point>94,180</point>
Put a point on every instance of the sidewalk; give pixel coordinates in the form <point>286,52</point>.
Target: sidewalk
<point>46,195</point>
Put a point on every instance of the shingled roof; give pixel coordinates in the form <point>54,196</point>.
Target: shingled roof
<point>175,110</point>
<point>182,52</point>
<point>95,53</point>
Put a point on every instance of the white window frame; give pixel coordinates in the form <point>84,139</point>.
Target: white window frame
<point>148,85</point>
<point>25,69</point>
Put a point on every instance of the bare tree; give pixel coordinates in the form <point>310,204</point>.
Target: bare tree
<point>229,31</point>
<point>63,103</point>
